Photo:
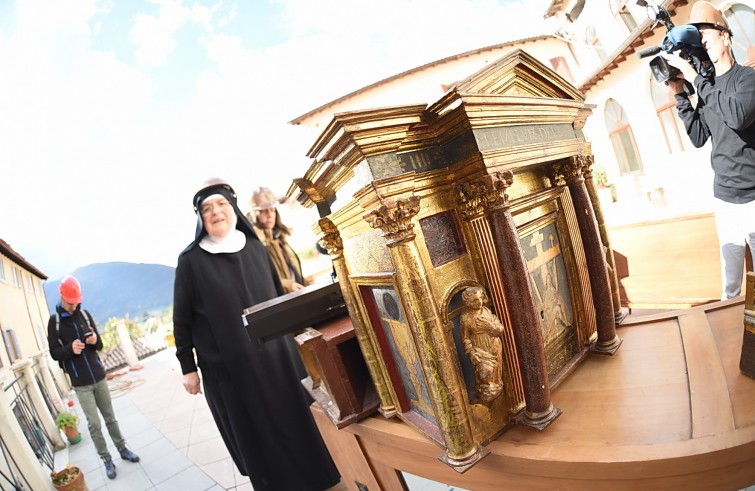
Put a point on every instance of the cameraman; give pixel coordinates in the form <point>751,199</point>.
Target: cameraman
<point>725,113</point>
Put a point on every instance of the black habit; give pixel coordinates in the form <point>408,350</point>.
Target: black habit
<point>253,390</point>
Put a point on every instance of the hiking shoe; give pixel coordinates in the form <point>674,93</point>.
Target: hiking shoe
<point>109,467</point>
<point>127,454</point>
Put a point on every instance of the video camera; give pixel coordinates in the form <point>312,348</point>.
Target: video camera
<point>686,39</point>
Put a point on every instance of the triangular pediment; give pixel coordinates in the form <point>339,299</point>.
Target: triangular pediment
<point>518,74</point>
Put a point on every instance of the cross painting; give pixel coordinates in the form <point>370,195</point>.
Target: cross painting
<point>550,286</point>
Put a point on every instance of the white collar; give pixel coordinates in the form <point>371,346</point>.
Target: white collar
<point>234,241</point>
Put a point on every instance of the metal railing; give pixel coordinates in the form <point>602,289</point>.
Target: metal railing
<point>29,420</point>
<point>11,477</point>
<point>55,382</point>
<point>46,395</point>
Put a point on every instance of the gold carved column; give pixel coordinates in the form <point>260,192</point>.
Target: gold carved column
<point>570,173</point>
<point>470,200</point>
<point>394,218</point>
<point>489,193</point>
<point>618,313</point>
<point>331,240</point>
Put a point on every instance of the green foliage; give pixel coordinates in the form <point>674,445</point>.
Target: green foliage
<point>109,335</point>
<point>65,476</point>
<point>66,420</point>
<point>308,253</point>
<point>136,329</point>
<point>600,176</point>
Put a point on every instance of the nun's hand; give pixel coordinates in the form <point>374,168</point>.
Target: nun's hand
<point>191,383</point>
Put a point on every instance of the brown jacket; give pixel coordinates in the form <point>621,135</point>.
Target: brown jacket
<point>283,255</point>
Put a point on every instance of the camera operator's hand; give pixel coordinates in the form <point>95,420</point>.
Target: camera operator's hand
<point>677,85</point>
<point>683,65</point>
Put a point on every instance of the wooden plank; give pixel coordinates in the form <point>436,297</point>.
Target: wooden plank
<point>709,393</point>
<point>627,422</point>
<point>347,454</point>
<point>682,248</point>
<point>527,466</point>
<point>728,335</point>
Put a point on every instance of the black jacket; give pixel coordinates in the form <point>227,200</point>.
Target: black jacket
<point>725,113</point>
<point>85,368</point>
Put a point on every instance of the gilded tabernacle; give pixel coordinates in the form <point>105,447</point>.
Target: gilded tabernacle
<point>469,250</point>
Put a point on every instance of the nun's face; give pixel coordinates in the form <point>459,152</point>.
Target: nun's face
<point>217,216</point>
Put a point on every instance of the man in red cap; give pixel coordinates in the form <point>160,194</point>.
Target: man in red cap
<point>74,342</point>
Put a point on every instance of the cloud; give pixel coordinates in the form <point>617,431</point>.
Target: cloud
<point>103,151</point>
<point>154,36</point>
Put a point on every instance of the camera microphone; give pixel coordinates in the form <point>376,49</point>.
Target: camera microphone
<point>653,50</point>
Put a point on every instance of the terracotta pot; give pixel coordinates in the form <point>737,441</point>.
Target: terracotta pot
<point>76,482</point>
<point>73,435</point>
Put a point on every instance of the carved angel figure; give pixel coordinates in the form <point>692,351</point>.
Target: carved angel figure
<point>481,337</point>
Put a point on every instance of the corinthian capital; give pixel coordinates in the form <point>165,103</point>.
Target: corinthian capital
<point>484,194</point>
<point>587,162</point>
<point>394,218</point>
<point>568,171</point>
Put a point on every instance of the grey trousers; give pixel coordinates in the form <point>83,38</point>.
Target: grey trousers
<point>94,397</point>
<point>735,224</point>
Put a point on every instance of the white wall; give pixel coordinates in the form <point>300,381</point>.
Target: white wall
<point>22,310</point>
<point>425,86</point>
<point>685,176</point>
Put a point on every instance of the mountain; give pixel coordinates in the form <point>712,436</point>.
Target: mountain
<point>114,289</point>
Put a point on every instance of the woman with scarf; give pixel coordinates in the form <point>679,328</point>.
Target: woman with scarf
<point>274,235</point>
<point>252,390</point>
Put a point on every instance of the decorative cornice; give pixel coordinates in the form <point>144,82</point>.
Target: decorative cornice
<point>309,189</point>
<point>394,219</point>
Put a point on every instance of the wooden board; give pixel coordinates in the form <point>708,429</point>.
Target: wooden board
<point>684,249</point>
<point>670,411</point>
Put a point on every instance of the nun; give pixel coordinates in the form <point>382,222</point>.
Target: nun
<point>252,389</point>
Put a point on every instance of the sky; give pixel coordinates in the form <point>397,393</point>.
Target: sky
<point>114,112</point>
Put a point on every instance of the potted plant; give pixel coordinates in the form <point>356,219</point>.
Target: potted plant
<point>67,422</point>
<point>606,191</point>
<point>69,479</point>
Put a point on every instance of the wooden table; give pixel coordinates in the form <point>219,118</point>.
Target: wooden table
<point>669,411</point>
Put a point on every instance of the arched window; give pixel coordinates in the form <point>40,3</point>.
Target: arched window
<point>559,66</point>
<point>591,38</point>
<point>622,139</point>
<point>741,21</point>
<point>665,107</point>
<point>620,11</point>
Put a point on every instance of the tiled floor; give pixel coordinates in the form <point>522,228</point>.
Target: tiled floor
<point>173,433</point>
